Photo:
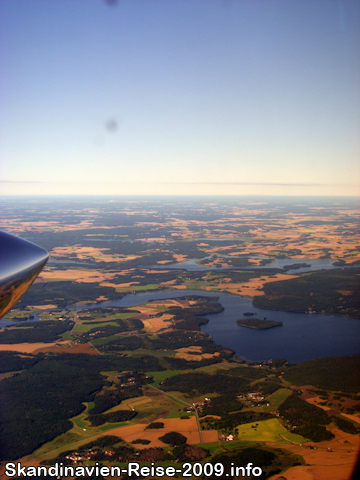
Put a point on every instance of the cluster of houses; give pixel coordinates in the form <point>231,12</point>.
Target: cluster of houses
<point>129,381</point>
<point>96,333</point>
<point>201,405</point>
<point>253,397</point>
<point>198,405</point>
<point>77,459</point>
<point>227,438</point>
<point>266,364</point>
<point>126,381</point>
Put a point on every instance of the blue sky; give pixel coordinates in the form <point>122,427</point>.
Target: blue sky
<point>180,97</point>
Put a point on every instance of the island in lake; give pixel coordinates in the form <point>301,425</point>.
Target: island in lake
<point>257,323</point>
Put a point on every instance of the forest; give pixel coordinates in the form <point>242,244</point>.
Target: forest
<point>305,419</point>
<point>332,373</point>
<point>257,323</point>
<point>37,403</point>
<point>203,383</point>
<point>325,291</point>
<point>64,293</point>
<point>272,461</point>
<point>45,331</point>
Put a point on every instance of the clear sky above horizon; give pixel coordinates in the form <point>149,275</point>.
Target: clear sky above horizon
<point>180,97</point>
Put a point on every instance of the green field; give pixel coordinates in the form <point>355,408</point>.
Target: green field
<point>160,376</point>
<point>66,336</point>
<point>61,443</point>
<point>82,327</point>
<point>277,398</point>
<point>224,365</point>
<point>153,353</point>
<point>267,431</point>
<point>103,340</point>
<point>79,421</point>
<point>111,426</point>
<point>179,415</point>
<point>124,316</point>
<point>150,286</point>
<point>198,285</point>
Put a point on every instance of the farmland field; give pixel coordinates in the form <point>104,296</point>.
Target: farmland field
<point>267,431</point>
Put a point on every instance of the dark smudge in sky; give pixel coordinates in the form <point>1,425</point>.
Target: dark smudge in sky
<point>111,125</point>
<point>111,3</point>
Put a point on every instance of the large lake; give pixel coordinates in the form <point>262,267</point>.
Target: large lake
<point>313,265</point>
<point>193,265</point>
<point>302,337</point>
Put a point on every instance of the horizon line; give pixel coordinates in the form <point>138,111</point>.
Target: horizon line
<point>276,184</point>
<point>208,195</point>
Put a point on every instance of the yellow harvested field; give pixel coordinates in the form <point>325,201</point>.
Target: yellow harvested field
<point>180,258</point>
<point>144,309</point>
<point>14,225</point>
<point>210,436</point>
<point>193,348</point>
<point>337,463</point>
<point>101,299</point>
<point>181,302</point>
<point>211,355</point>
<point>29,347</point>
<point>170,282</point>
<point>192,353</point>
<point>90,253</point>
<point>156,271</point>
<point>77,275</point>
<point>354,418</point>
<point>320,239</point>
<point>109,284</point>
<point>253,287</point>
<point>197,358</point>
<point>43,307</point>
<point>158,323</point>
<point>69,348</point>
<point>255,261</point>
<point>178,425</point>
<point>154,239</point>
<point>187,427</point>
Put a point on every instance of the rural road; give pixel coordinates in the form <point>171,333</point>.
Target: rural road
<point>199,427</point>
<point>182,401</point>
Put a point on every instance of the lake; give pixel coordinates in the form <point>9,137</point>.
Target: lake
<point>314,265</point>
<point>302,337</point>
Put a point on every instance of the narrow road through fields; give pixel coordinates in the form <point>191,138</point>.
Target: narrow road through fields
<point>198,424</point>
<point>185,403</point>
